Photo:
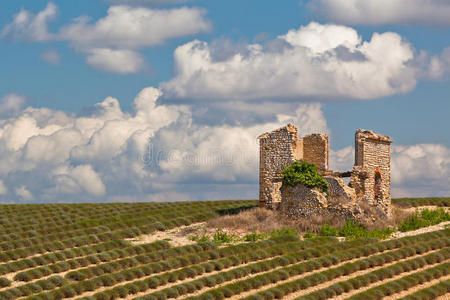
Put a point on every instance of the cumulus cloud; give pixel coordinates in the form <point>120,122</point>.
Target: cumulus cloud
<point>110,154</point>
<point>88,179</point>
<point>115,61</point>
<point>421,169</point>
<point>136,27</point>
<point>435,67</point>
<point>30,27</point>
<point>11,104</point>
<point>51,56</point>
<point>149,2</point>
<point>160,152</point>
<point>23,193</point>
<point>110,43</point>
<point>3,188</point>
<point>313,62</point>
<point>426,12</point>
<point>416,170</point>
<point>343,159</point>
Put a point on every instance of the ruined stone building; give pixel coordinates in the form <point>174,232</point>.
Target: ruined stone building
<point>369,180</point>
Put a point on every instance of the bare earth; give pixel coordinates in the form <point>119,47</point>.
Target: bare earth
<point>178,236</point>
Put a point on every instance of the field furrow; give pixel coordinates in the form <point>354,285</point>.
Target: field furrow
<point>199,284</point>
<point>439,291</point>
<point>89,252</point>
<point>184,266</point>
<point>351,286</point>
<point>324,281</point>
<point>404,281</point>
<point>421,286</point>
<point>288,274</point>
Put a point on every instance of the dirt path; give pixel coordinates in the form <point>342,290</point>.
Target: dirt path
<point>178,236</point>
<point>320,286</point>
<point>443,297</point>
<point>293,278</point>
<point>17,283</point>
<point>429,207</point>
<point>254,291</point>
<point>8,275</point>
<point>436,227</point>
<point>166,285</point>
<point>367,287</point>
<point>345,278</point>
<point>206,289</point>
<point>417,288</point>
<point>195,278</point>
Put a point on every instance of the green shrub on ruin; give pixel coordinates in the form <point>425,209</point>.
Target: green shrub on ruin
<point>302,172</point>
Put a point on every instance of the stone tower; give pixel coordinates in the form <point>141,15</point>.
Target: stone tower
<point>370,179</point>
<point>278,149</point>
<point>371,176</point>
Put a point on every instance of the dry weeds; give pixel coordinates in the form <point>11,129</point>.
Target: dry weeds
<point>265,220</point>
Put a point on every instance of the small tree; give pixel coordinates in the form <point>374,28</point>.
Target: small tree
<point>304,173</point>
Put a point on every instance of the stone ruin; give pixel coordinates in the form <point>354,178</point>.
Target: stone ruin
<point>369,184</point>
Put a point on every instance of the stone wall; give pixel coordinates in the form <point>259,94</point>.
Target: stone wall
<point>278,149</point>
<point>369,182</point>
<point>301,201</point>
<point>371,177</point>
<point>316,149</point>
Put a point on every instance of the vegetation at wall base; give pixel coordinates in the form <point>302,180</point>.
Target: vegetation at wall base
<point>424,218</point>
<point>354,230</point>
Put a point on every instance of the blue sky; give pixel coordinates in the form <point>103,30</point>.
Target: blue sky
<point>214,71</point>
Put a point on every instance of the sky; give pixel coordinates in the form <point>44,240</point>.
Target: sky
<point>162,100</point>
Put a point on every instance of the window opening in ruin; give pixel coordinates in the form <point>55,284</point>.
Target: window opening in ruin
<point>377,187</point>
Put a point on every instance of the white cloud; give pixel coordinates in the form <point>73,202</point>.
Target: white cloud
<point>30,27</point>
<point>435,67</point>
<point>110,43</point>
<point>416,170</point>
<point>23,193</point>
<point>423,168</point>
<point>426,12</point>
<point>321,38</point>
<point>314,62</point>
<point>115,61</point>
<point>110,154</point>
<point>3,188</point>
<point>343,159</point>
<point>149,2</point>
<point>88,179</point>
<point>308,117</point>
<point>11,104</point>
<point>161,152</point>
<point>51,56</point>
<point>127,27</point>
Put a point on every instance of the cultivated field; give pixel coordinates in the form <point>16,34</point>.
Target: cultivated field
<point>157,251</point>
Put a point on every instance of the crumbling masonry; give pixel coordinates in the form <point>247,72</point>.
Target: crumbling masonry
<point>369,180</point>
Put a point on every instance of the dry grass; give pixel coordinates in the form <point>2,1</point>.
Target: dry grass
<point>259,219</point>
<point>265,220</point>
<point>375,218</point>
